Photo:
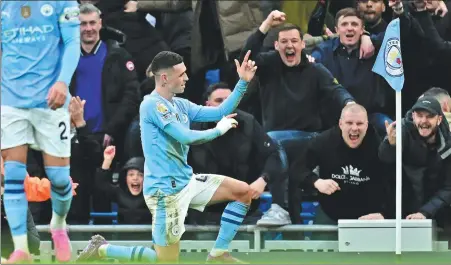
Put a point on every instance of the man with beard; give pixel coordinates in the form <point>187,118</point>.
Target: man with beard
<point>426,161</point>
<point>352,181</point>
<point>443,98</point>
<point>371,12</point>
<point>106,78</point>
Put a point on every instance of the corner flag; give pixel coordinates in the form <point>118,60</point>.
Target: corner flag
<point>389,63</point>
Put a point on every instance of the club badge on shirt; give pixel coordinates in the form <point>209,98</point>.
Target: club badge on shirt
<point>46,10</point>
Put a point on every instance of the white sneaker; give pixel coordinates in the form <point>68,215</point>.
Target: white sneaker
<point>275,216</point>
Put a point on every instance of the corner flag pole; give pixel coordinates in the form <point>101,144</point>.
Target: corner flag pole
<point>389,65</point>
<point>398,172</point>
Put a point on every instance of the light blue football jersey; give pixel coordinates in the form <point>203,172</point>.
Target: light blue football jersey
<point>166,167</point>
<point>35,35</point>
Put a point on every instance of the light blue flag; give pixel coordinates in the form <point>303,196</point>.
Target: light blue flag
<point>389,60</point>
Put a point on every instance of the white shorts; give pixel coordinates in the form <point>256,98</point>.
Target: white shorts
<point>169,211</point>
<point>43,129</point>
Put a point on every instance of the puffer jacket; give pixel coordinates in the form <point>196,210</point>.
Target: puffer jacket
<point>426,172</point>
<point>237,21</point>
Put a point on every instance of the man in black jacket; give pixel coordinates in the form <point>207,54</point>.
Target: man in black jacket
<point>352,181</point>
<point>291,88</point>
<point>437,28</point>
<point>426,155</point>
<point>106,79</point>
<point>246,153</point>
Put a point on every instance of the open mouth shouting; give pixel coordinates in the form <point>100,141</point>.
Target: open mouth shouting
<point>369,13</point>
<point>291,55</point>
<point>135,188</point>
<point>350,36</point>
<point>425,129</point>
<point>354,137</point>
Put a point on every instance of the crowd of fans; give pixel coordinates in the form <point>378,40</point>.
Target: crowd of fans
<point>316,121</point>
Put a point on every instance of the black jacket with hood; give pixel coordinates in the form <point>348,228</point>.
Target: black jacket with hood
<point>131,209</point>
<point>426,169</point>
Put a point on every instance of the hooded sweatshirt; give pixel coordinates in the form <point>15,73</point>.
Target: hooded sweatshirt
<point>361,176</point>
<point>131,209</point>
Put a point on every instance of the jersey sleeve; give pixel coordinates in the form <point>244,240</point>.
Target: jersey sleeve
<point>69,25</point>
<point>198,113</point>
<point>157,112</point>
<point>68,14</point>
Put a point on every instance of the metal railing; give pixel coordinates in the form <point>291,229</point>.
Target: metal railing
<point>256,230</point>
<point>260,243</point>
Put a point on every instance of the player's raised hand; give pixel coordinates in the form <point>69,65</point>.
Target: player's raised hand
<point>57,95</point>
<point>246,70</point>
<point>227,123</point>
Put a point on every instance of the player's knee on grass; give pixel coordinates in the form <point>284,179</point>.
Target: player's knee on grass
<point>168,253</point>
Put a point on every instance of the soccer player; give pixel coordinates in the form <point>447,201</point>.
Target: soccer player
<point>170,187</point>
<point>40,51</point>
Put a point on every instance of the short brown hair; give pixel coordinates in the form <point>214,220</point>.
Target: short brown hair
<point>347,12</point>
<point>287,27</point>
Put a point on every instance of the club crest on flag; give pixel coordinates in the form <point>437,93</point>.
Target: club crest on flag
<point>393,60</point>
<point>388,62</point>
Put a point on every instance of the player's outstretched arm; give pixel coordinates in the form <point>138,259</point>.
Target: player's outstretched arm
<point>69,25</point>
<point>155,113</point>
<point>192,137</point>
<point>246,72</point>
